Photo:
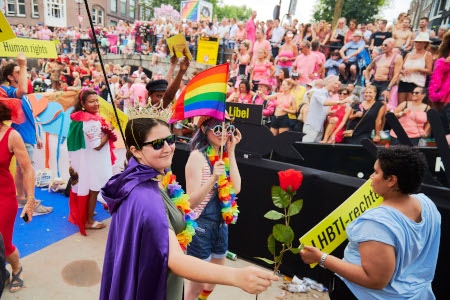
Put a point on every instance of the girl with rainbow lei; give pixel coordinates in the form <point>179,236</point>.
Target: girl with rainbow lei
<point>212,181</point>
<point>152,224</point>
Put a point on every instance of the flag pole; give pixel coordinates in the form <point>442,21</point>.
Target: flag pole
<point>223,138</point>
<point>103,71</point>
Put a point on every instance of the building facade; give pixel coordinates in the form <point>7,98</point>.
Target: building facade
<point>65,13</point>
<point>437,11</point>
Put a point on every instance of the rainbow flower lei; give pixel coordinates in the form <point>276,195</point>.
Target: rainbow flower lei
<point>181,201</point>
<point>227,195</point>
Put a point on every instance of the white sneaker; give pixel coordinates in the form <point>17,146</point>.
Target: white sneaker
<point>40,209</point>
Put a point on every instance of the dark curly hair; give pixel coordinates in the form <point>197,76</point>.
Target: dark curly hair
<point>5,113</point>
<point>82,97</point>
<point>407,163</point>
<point>7,70</point>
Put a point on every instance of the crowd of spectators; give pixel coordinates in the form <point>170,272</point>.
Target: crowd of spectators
<point>395,59</point>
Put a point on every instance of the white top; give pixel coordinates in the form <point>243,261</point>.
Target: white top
<point>417,78</point>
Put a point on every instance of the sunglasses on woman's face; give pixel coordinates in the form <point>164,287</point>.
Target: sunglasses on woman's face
<point>217,130</point>
<point>342,93</point>
<point>415,93</point>
<point>159,143</point>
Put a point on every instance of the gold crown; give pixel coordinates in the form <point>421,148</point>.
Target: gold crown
<point>155,111</point>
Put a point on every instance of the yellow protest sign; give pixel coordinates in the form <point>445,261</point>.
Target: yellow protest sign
<point>30,47</point>
<point>107,112</point>
<point>207,50</point>
<point>178,42</point>
<point>330,232</point>
<point>6,32</point>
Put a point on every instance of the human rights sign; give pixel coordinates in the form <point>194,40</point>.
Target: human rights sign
<point>30,47</point>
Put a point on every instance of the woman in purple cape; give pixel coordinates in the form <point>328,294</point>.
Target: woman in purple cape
<point>144,256</point>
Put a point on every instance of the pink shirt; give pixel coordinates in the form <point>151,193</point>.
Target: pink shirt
<point>140,92</point>
<point>250,27</point>
<point>305,66</point>
<point>46,34</point>
<point>264,44</point>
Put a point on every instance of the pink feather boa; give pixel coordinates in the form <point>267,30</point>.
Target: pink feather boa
<point>439,88</point>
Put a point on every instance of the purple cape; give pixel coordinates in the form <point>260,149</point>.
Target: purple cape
<point>137,250</point>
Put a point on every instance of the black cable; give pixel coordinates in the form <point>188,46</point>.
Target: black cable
<point>103,70</point>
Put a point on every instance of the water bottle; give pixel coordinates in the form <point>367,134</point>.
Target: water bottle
<point>363,81</point>
<point>318,287</point>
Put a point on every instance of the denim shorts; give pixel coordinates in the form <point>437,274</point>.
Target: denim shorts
<point>210,240</point>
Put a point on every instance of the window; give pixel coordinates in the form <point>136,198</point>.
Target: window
<point>10,7</point>
<point>132,8</point>
<point>35,8</point>
<point>113,23</point>
<point>21,8</point>
<point>15,8</point>
<point>55,8</point>
<point>123,7</point>
<point>97,16</point>
<point>114,5</point>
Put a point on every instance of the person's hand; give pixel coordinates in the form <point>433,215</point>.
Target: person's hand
<point>447,59</point>
<point>311,76</point>
<point>386,95</point>
<point>184,63</point>
<point>39,143</point>
<point>406,72</point>
<point>233,140</point>
<point>254,280</point>
<point>173,58</point>
<point>376,138</point>
<point>332,139</point>
<point>310,255</point>
<point>28,209</point>
<point>21,59</point>
<point>219,169</point>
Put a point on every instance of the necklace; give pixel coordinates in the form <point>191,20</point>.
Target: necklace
<point>181,201</point>
<point>227,195</point>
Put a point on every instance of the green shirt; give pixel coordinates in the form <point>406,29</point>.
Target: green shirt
<point>177,225</point>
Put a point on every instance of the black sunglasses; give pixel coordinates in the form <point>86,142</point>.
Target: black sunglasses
<point>342,93</point>
<point>416,93</point>
<point>159,143</point>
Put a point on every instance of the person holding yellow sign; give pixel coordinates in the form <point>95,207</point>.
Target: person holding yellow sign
<point>393,248</point>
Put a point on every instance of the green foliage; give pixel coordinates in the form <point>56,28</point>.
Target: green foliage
<point>241,13</point>
<point>284,234</point>
<point>271,244</point>
<point>295,208</point>
<point>273,215</point>
<point>280,198</point>
<point>362,11</point>
<point>267,261</point>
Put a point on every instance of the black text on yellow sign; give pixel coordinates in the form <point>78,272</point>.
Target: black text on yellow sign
<point>6,32</point>
<point>30,47</point>
<point>331,231</point>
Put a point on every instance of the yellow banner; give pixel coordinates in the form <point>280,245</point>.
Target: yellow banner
<point>107,112</point>
<point>207,50</point>
<point>178,42</point>
<point>30,47</point>
<point>330,232</point>
<point>6,32</point>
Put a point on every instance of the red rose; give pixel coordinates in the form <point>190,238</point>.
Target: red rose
<point>290,178</point>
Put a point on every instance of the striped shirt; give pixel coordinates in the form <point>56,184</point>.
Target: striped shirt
<point>206,174</point>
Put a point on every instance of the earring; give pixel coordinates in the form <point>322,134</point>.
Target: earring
<point>83,108</point>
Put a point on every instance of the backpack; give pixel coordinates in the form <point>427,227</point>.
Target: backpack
<point>363,59</point>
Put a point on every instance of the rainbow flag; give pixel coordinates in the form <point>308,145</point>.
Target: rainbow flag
<point>205,95</point>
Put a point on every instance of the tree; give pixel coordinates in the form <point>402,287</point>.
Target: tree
<point>363,11</point>
<point>242,13</point>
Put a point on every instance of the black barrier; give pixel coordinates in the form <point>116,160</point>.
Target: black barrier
<point>245,113</point>
<point>322,192</point>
